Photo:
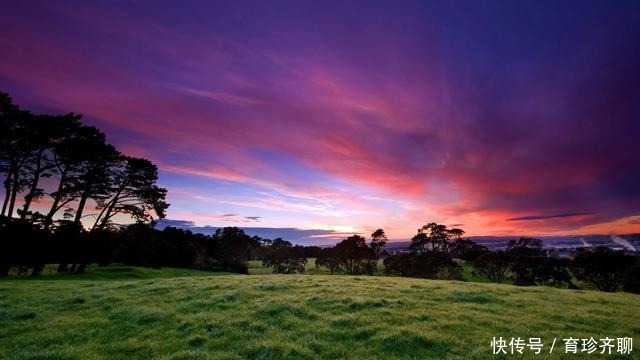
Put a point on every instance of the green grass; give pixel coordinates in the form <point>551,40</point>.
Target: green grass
<point>256,268</point>
<point>166,315</point>
<point>115,272</point>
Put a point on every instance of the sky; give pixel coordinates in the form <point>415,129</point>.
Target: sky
<point>328,118</point>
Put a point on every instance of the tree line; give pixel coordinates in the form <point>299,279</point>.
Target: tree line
<point>437,252</point>
<point>79,181</point>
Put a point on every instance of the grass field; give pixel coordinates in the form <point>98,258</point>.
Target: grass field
<point>256,268</point>
<point>181,314</point>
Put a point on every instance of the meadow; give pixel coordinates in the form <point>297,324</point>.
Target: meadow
<point>255,268</point>
<point>138,313</point>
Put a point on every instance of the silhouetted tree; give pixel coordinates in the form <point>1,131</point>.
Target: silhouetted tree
<point>312,251</point>
<point>602,267</point>
<point>631,279</point>
<point>44,133</point>
<point>15,150</point>
<point>285,258</point>
<point>134,192</point>
<point>540,270</point>
<point>378,241</point>
<point>68,158</point>
<point>430,265</point>
<point>231,249</point>
<point>399,264</point>
<point>525,247</point>
<point>355,256</point>
<point>328,257</point>
<point>86,167</point>
<point>455,233</point>
<point>94,182</point>
<point>494,265</point>
<point>466,249</point>
<point>430,237</point>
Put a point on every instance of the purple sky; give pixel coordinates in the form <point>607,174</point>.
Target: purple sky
<point>337,117</point>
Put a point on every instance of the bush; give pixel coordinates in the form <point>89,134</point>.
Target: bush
<point>430,265</point>
<point>285,258</point>
<point>540,270</point>
<point>494,265</point>
<point>631,280</point>
<point>602,267</point>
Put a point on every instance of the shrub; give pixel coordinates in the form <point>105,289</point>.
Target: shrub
<point>602,267</point>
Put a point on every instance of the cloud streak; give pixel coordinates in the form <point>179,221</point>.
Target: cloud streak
<point>546,217</point>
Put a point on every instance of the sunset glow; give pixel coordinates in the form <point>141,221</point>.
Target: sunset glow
<point>352,116</point>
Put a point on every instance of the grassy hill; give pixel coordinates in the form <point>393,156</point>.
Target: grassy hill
<point>133,313</point>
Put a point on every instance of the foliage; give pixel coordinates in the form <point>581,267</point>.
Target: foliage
<point>494,265</point>
<point>466,249</point>
<point>329,258</point>
<point>378,242</point>
<point>72,165</point>
<point>352,256</point>
<point>138,244</point>
<point>285,258</point>
<point>602,267</point>
<point>525,247</point>
<point>540,270</point>
<point>631,280</point>
<point>431,265</point>
<point>431,237</point>
<point>355,257</point>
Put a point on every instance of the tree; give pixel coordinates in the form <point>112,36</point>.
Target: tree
<point>430,237</point>
<point>455,233</point>
<point>134,192</point>
<point>466,249</point>
<point>72,167</point>
<point>15,150</point>
<point>94,182</point>
<point>44,132</point>
<point>631,279</point>
<point>355,256</point>
<point>328,257</point>
<point>494,265</point>
<point>230,249</point>
<point>525,247</point>
<point>399,264</point>
<point>430,265</point>
<point>540,270</point>
<point>378,241</point>
<point>602,267</point>
<point>285,258</point>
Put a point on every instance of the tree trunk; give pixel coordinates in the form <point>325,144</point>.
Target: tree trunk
<point>95,223</point>
<point>7,193</point>
<point>81,267</point>
<point>81,204</point>
<point>56,201</point>
<point>109,208</point>
<point>37,269</point>
<point>62,268</point>
<point>106,217</point>
<point>14,193</point>
<point>34,186</point>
